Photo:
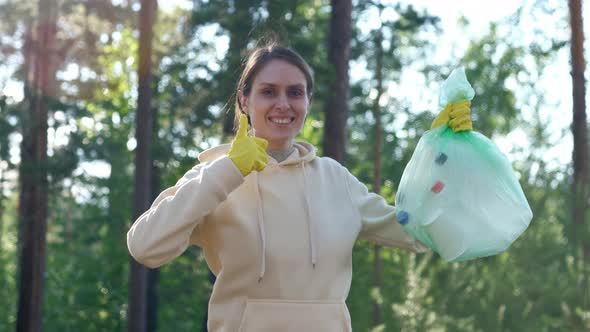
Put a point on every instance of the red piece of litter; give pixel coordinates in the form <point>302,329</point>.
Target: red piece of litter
<point>438,186</point>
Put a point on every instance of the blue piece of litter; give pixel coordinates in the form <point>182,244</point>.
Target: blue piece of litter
<point>403,217</point>
<point>441,158</point>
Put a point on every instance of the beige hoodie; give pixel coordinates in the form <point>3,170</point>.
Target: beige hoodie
<point>279,241</point>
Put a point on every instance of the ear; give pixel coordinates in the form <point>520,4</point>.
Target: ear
<point>310,98</point>
<point>243,100</point>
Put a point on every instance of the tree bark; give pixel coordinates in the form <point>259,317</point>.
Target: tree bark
<point>579,129</point>
<point>153,274</point>
<point>138,278</point>
<point>336,109</point>
<point>377,149</point>
<point>152,299</point>
<point>40,67</point>
<point>239,35</point>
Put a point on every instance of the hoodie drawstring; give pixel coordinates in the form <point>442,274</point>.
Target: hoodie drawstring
<point>312,242</point>
<point>310,224</point>
<point>260,228</point>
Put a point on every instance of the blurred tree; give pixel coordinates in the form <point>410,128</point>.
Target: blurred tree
<point>524,288</point>
<point>377,150</point>
<point>64,107</point>
<point>581,180</point>
<point>336,107</point>
<point>538,285</point>
<point>40,65</point>
<point>7,127</point>
<point>377,155</point>
<point>91,210</point>
<point>153,274</point>
<point>138,279</point>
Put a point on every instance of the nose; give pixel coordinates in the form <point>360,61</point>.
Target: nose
<point>282,102</point>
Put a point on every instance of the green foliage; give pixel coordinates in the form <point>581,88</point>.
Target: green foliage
<point>8,262</point>
<point>540,284</point>
<point>184,292</point>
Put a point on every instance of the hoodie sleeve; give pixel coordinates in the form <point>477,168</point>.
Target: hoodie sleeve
<point>379,223</point>
<point>163,232</point>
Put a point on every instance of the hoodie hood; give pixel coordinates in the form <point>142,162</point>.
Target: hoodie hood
<point>304,153</point>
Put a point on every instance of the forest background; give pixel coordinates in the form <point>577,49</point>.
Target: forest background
<point>104,103</point>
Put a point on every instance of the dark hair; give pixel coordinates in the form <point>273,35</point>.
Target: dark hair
<point>257,59</point>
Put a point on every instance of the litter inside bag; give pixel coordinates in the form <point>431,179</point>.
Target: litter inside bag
<point>459,194</point>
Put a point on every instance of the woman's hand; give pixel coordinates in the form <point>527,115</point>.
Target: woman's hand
<point>248,153</point>
<point>456,115</point>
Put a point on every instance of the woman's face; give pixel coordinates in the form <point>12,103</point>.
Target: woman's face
<point>277,103</point>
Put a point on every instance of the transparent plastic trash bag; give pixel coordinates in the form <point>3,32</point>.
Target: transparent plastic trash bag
<point>459,194</point>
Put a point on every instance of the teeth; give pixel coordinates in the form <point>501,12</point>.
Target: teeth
<point>281,120</point>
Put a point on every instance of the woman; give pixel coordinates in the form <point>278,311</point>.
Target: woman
<point>276,223</point>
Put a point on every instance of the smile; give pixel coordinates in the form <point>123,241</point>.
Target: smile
<point>282,120</point>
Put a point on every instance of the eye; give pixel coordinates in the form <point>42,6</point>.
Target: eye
<point>296,92</point>
<point>267,92</point>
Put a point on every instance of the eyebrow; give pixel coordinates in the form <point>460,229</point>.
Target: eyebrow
<point>298,85</point>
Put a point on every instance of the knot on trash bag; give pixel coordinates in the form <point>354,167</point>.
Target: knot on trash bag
<point>455,115</point>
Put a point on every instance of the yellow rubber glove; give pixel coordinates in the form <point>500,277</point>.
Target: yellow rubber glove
<point>456,115</point>
<point>248,153</point>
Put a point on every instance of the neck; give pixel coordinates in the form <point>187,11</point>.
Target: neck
<point>282,154</point>
<point>276,145</point>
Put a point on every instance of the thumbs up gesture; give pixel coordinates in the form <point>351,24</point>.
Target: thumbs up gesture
<point>248,153</point>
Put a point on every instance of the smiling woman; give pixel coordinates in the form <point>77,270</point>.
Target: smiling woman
<point>277,104</point>
<point>276,223</point>
<point>274,92</point>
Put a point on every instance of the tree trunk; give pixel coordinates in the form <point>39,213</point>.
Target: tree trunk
<point>40,85</point>
<point>377,147</point>
<point>239,31</point>
<point>579,129</point>
<point>336,109</point>
<point>153,274</point>
<point>138,278</point>
<point>152,299</point>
